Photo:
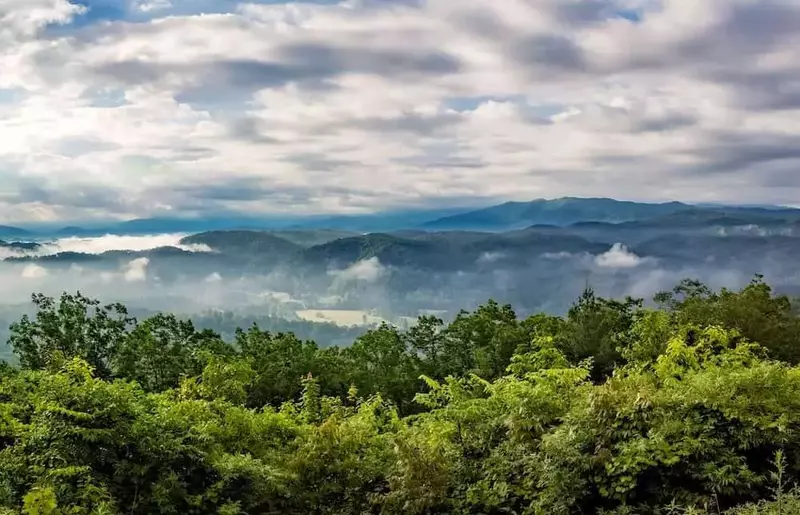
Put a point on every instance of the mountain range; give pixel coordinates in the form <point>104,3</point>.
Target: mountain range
<point>504,217</point>
<point>537,255</point>
<point>688,235</point>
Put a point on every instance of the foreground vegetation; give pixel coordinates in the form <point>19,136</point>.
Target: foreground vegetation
<point>615,408</point>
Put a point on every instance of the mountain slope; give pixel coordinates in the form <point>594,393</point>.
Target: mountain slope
<point>446,251</point>
<point>390,250</point>
<point>253,243</point>
<point>312,237</point>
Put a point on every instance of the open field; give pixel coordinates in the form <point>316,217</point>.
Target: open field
<point>341,317</point>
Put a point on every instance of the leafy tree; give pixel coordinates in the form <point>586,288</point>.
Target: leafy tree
<point>428,341</point>
<point>755,311</point>
<point>484,341</point>
<point>75,326</point>
<point>279,361</point>
<point>593,328</point>
<point>162,350</point>
<point>380,362</point>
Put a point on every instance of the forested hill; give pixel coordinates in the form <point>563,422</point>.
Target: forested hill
<point>613,408</point>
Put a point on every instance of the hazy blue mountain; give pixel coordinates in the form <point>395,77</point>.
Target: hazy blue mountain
<point>77,231</point>
<point>379,222</point>
<point>7,231</point>
<point>563,212</point>
<point>558,212</point>
<point>179,225</point>
<point>372,222</point>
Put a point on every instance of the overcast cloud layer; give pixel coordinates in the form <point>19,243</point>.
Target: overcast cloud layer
<point>133,108</point>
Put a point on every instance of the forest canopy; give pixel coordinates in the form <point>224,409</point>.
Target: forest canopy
<point>691,406</point>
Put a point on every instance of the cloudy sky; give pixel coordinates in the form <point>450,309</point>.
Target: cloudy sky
<point>134,108</point>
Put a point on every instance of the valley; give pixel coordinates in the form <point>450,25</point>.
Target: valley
<point>537,256</point>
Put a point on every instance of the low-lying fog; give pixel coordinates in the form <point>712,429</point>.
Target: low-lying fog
<point>363,293</point>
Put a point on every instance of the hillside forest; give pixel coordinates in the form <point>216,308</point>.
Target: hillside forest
<point>686,405</point>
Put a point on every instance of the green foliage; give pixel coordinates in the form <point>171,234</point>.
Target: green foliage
<point>592,329</point>
<point>162,350</point>
<point>612,409</point>
<point>73,327</point>
<point>279,362</point>
<point>483,342</point>
<point>760,316</point>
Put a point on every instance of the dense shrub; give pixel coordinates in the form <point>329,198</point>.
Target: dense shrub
<point>615,409</point>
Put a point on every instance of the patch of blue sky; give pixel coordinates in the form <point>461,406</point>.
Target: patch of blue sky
<point>133,11</point>
<point>633,15</point>
<point>462,104</point>
<point>99,10</point>
<point>541,112</point>
<point>138,10</point>
<point>95,11</point>
<point>636,10</point>
<point>106,98</point>
<point>11,95</point>
<point>531,109</point>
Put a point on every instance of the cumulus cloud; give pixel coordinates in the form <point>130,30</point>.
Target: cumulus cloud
<point>136,270</point>
<point>33,271</point>
<point>302,102</point>
<point>25,18</point>
<point>619,257</point>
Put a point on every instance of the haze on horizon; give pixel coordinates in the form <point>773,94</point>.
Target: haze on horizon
<point>120,109</point>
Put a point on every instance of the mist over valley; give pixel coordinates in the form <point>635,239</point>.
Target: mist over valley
<point>339,277</point>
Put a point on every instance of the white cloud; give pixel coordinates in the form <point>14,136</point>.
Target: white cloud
<point>619,257</point>
<point>33,271</point>
<point>153,5</point>
<point>293,107</point>
<point>491,257</point>
<point>368,270</point>
<point>136,270</point>
<point>24,18</point>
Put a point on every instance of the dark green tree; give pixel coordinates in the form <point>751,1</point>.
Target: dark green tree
<point>73,326</point>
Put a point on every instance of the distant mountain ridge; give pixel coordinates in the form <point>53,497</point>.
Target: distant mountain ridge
<point>561,212</point>
<point>7,231</point>
<point>557,212</point>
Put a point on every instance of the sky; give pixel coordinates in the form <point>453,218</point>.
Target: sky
<point>120,109</point>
